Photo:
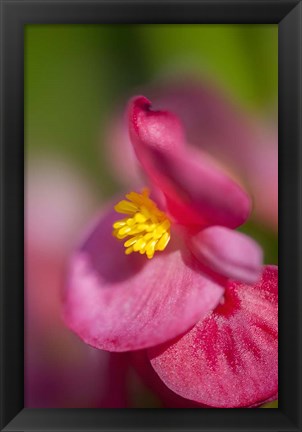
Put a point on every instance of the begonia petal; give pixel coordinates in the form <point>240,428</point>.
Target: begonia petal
<point>229,253</point>
<point>197,192</point>
<point>230,358</point>
<point>117,302</point>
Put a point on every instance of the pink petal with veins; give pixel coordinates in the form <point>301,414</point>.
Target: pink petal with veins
<point>196,192</point>
<point>230,358</point>
<point>139,360</point>
<point>117,302</point>
<point>229,253</point>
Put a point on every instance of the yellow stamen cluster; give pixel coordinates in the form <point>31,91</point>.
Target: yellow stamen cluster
<point>147,226</point>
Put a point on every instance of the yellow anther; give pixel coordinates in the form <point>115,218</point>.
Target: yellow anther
<point>129,250</point>
<point>162,243</point>
<point>150,249</point>
<point>140,218</point>
<point>131,241</point>
<point>126,207</point>
<point>125,230</point>
<point>147,227</point>
<point>119,224</point>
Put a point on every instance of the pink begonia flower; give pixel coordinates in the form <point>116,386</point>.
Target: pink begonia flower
<point>60,371</point>
<point>123,301</point>
<point>213,123</point>
<point>116,298</point>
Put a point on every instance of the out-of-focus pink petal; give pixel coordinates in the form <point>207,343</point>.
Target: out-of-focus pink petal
<point>262,179</point>
<point>60,370</point>
<point>58,201</point>
<point>114,383</point>
<point>230,358</point>
<point>120,152</point>
<point>118,302</point>
<point>196,192</point>
<point>228,252</point>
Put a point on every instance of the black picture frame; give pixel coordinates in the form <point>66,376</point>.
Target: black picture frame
<point>17,13</point>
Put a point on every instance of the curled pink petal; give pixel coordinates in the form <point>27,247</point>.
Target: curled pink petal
<point>216,124</point>
<point>230,358</point>
<point>229,253</point>
<point>117,302</point>
<point>196,192</point>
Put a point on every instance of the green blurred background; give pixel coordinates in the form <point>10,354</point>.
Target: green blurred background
<point>75,76</point>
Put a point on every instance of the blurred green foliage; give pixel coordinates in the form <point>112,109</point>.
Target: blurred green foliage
<point>75,75</point>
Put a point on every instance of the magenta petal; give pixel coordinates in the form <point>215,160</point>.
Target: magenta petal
<point>229,253</point>
<point>117,302</point>
<point>230,358</point>
<point>197,192</point>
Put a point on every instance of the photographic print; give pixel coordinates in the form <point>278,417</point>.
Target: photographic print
<point>151,216</point>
